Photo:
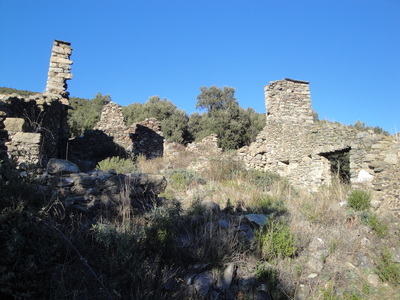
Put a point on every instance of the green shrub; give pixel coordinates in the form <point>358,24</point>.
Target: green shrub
<point>121,165</point>
<point>359,200</point>
<point>267,274</point>
<point>380,228</point>
<point>267,204</point>
<point>181,178</point>
<point>386,269</point>
<point>376,224</point>
<point>262,180</point>
<point>276,240</point>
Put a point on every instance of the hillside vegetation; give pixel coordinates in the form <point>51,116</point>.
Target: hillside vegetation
<point>310,244</point>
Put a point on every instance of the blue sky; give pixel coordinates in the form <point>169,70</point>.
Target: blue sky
<point>347,49</point>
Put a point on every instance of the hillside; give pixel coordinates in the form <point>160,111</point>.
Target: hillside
<point>202,239</point>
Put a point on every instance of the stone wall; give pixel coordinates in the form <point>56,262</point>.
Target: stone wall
<point>112,137</point>
<point>294,146</point>
<point>34,129</point>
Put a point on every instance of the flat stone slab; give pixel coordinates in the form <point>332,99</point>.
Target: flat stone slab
<point>259,220</point>
<point>61,166</point>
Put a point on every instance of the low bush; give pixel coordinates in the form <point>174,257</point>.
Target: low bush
<point>182,178</point>
<point>276,240</point>
<point>386,269</point>
<point>375,223</point>
<point>121,165</point>
<point>359,200</point>
<point>267,204</point>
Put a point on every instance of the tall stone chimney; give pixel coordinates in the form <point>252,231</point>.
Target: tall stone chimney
<point>288,101</point>
<point>59,70</point>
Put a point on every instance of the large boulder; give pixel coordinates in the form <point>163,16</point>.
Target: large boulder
<point>61,166</point>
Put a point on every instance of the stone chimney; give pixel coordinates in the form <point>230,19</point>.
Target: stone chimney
<point>288,101</point>
<point>59,70</point>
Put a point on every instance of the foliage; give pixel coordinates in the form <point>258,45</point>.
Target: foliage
<point>358,125</point>
<point>121,165</point>
<point>24,93</point>
<point>376,224</point>
<point>225,169</point>
<point>234,126</point>
<point>181,178</point>
<point>262,180</point>
<point>267,204</point>
<point>359,200</point>
<point>386,269</point>
<point>84,114</point>
<point>276,240</point>
<point>267,274</point>
<point>173,120</point>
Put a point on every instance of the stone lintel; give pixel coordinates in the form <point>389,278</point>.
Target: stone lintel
<point>297,81</point>
<point>63,42</point>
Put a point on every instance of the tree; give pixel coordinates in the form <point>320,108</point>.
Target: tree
<point>215,98</point>
<point>173,120</point>
<point>234,126</point>
<point>84,114</point>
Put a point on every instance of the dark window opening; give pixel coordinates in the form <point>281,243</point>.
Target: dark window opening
<point>340,163</point>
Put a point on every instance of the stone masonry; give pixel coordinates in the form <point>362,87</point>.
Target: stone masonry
<point>144,137</point>
<point>296,147</point>
<point>59,70</point>
<point>34,129</point>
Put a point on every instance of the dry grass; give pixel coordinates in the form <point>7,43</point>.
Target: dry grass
<point>321,215</point>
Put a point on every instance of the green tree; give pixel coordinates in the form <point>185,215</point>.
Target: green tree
<point>214,98</point>
<point>174,122</point>
<point>234,126</point>
<point>84,114</point>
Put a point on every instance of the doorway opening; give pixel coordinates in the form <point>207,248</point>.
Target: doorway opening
<point>340,163</point>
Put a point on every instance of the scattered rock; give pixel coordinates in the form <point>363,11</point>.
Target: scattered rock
<point>61,166</point>
<point>226,278</point>
<point>257,219</point>
<point>210,207</point>
<point>202,283</point>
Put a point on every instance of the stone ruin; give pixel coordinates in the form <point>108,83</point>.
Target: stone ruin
<point>112,137</point>
<point>34,129</point>
<point>33,135</point>
<point>304,151</point>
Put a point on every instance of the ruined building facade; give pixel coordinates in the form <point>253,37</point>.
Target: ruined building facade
<point>34,129</point>
<point>306,152</point>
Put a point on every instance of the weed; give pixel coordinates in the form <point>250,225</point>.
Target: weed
<point>376,224</point>
<point>182,178</point>
<point>276,240</point>
<point>359,200</point>
<point>121,165</point>
<point>333,246</point>
<point>380,228</point>
<point>267,274</point>
<point>267,204</point>
<point>328,292</point>
<point>386,269</point>
<point>262,180</point>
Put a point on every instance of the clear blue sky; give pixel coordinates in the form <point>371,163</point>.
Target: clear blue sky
<point>348,50</point>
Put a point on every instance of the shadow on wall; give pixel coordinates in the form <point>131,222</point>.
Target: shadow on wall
<point>94,146</point>
<point>147,142</point>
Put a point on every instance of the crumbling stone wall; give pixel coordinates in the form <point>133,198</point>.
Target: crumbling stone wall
<point>294,146</point>
<point>112,137</point>
<point>144,137</point>
<point>34,129</point>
